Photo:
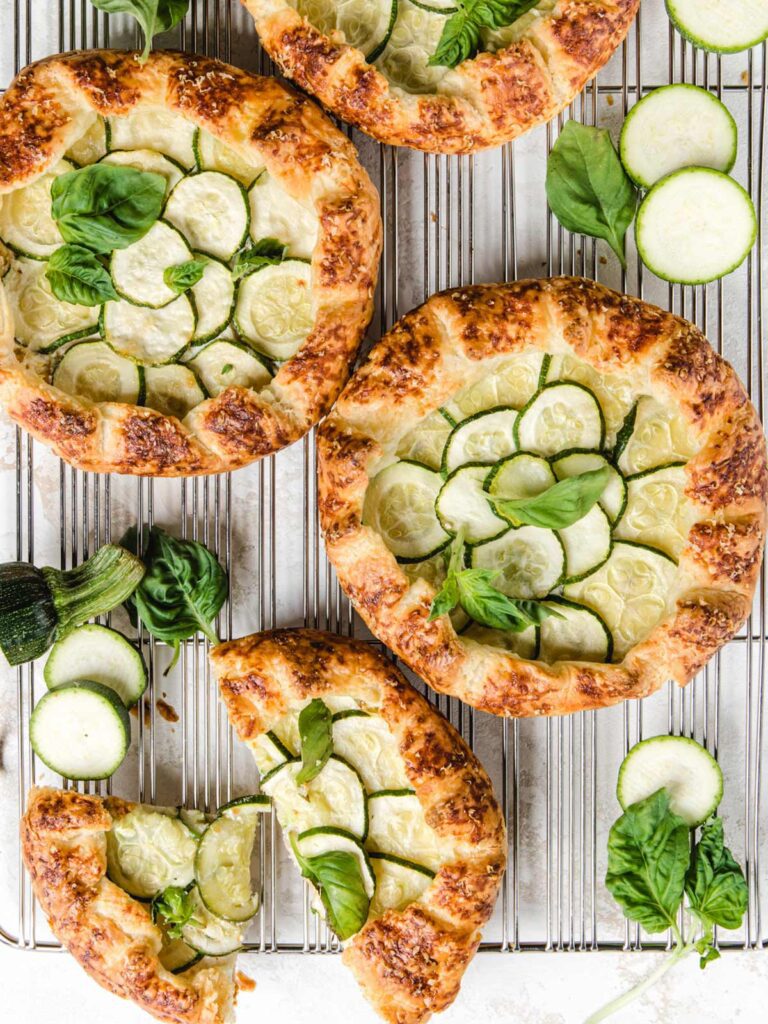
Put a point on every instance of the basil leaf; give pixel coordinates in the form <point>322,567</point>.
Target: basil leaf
<point>715,885</point>
<point>339,880</point>
<point>648,855</point>
<point>561,505</point>
<point>461,36</point>
<point>76,276</point>
<point>445,600</point>
<point>174,905</point>
<point>625,432</point>
<point>265,252</point>
<point>103,207</point>
<point>588,189</point>
<point>182,590</point>
<point>316,740</point>
<point>154,16</point>
<point>184,275</point>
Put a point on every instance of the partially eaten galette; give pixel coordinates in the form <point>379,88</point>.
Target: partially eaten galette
<point>383,808</point>
<point>188,260</point>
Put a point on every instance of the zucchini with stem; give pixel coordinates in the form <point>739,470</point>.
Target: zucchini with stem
<point>41,605</point>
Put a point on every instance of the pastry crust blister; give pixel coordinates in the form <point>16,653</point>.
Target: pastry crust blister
<point>409,963</point>
<point>452,340</point>
<point>49,106</point>
<point>483,102</point>
<point>111,935</point>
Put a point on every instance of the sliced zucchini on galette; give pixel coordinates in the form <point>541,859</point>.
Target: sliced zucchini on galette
<point>566,506</point>
<point>437,75</point>
<point>383,808</point>
<point>187,275</point>
<point>153,902</point>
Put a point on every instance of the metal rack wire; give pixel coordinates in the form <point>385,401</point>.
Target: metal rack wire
<point>448,221</point>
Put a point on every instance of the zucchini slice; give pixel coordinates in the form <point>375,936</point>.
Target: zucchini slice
<point>398,882</point>
<point>225,364</point>
<point>101,654</point>
<point>560,416</point>
<point>40,320</point>
<point>530,561</point>
<point>721,26</point>
<point>148,850</point>
<point>485,437</point>
<point>214,297</point>
<point>92,370</point>
<point>324,839</point>
<point>658,513</point>
<point>694,226</point>
<point>26,224</point>
<point>196,821</point>
<point>147,160</point>
<point>365,742</point>
<point>223,863</point>
<point>587,544</point>
<point>273,310</point>
<point>334,797</point>
<point>614,392</point>
<point>580,635</point>
<point>275,214</point>
<point>398,826</point>
<point>211,211</point>
<point>524,645</point>
<point>462,502</point>
<point>433,571</point>
<point>208,934</point>
<point>92,144</point>
<point>176,956</point>
<point>400,506</point>
<point>521,475</point>
<point>681,766</point>
<point>660,436</point>
<point>677,126</point>
<point>155,128</point>
<point>137,271</point>
<point>153,336</point>
<point>630,592</point>
<point>510,385</point>
<point>426,442</point>
<point>214,155</point>
<point>414,38</point>
<point>81,730</point>
<point>614,498</point>
<point>365,25</point>
<point>173,390</point>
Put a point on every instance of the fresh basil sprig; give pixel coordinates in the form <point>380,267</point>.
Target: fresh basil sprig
<point>653,862</point>
<point>182,590</point>
<point>103,207</point>
<point>474,591</point>
<point>76,276</point>
<point>265,252</point>
<point>338,879</point>
<point>588,189</point>
<point>183,276</point>
<point>561,505</point>
<point>315,731</point>
<point>176,908</point>
<point>461,34</point>
<point>154,16</point>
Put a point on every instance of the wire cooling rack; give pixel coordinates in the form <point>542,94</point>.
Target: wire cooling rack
<point>448,221</point>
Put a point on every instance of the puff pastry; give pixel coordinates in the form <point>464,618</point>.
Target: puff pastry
<point>111,935</point>
<point>461,335</point>
<point>483,102</point>
<point>409,962</point>
<point>48,108</point>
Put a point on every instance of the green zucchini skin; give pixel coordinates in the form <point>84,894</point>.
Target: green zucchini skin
<point>28,617</point>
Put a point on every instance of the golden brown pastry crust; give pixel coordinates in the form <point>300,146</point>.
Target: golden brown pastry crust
<point>47,108</point>
<point>408,963</point>
<point>455,338</point>
<point>111,935</point>
<point>484,102</point>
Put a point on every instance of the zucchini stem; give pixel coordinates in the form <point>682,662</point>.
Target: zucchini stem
<point>97,586</point>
